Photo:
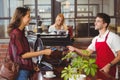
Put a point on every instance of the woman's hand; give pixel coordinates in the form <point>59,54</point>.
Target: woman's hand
<point>47,51</point>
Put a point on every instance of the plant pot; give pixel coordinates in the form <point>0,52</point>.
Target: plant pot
<point>82,77</point>
<point>79,77</point>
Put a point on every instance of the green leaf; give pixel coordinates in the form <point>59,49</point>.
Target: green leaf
<point>66,77</point>
<point>81,63</point>
<point>94,66</point>
<point>63,71</point>
<point>92,71</point>
<point>85,51</point>
<point>92,61</point>
<point>88,71</point>
<point>63,75</point>
<point>69,55</point>
<point>95,69</point>
<point>84,66</point>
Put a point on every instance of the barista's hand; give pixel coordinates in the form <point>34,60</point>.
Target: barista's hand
<point>71,48</point>
<point>106,68</point>
<point>47,51</point>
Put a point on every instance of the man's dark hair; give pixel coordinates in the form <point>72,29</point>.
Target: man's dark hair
<point>105,17</point>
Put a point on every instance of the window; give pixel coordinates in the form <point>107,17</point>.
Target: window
<point>77,12</point>
<point>7,9</point>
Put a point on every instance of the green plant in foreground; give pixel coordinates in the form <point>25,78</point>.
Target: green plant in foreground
<point>78,65</point>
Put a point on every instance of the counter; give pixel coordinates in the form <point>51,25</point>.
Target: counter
<point>58,66</point>
<point>58,69</point>
<point>4,41</point>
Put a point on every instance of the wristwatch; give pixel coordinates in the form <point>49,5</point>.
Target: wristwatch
<point>111,64</point>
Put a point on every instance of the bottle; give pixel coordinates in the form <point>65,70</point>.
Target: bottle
<point>39,29</point>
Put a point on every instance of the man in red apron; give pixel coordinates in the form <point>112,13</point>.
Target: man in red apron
<point>104,56</point>
<point>106,45</point>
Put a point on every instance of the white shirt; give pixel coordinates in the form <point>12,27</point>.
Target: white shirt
<point>113,41</point>
<point>53,29</point>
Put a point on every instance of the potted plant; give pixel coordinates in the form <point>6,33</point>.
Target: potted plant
<point>78,65</point>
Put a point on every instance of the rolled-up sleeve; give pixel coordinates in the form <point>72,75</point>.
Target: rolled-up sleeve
<point>116,43</point>
<point>92,45</point>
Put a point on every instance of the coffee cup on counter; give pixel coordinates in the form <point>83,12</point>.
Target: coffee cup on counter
<point>49,73</point>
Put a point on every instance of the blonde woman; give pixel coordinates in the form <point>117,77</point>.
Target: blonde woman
<point>58,25</point>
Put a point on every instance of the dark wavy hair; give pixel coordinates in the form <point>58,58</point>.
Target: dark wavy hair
<point>17,17</point>
<point>105,17</point>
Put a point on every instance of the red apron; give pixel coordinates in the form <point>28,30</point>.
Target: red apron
<point>104,55</point>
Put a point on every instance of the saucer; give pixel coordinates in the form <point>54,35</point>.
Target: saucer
<point>44,33</point>
<point>52,76</point>
<point>52,33</point>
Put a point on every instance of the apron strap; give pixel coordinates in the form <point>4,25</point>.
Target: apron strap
<point>106,36</point>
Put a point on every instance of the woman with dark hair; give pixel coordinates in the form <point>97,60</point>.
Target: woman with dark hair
<point>19,49</point>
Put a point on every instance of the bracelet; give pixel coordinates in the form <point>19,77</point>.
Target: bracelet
<point>111,64</point>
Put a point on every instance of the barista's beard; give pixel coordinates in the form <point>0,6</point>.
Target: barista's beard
<point>98,28</point>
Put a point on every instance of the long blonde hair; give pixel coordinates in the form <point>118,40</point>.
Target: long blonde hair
<point>62,17</point>
<point>62,22</point>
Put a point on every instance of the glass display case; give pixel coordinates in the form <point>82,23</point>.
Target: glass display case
<point>85,10</point>
<point>79,12</point>
<point>68,10</point>
<point>40,12</point>
<point>44,11</point>
<point>85,13</point>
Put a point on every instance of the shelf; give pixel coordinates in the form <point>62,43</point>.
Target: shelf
<point>44,11</point>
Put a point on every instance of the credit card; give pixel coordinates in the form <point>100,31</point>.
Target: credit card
<point>53,49</point>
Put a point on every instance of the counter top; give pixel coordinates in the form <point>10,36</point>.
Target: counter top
<point>4,40</point>
<point>58,69</point>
